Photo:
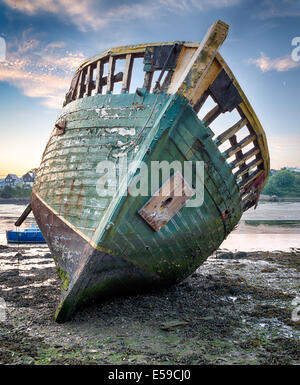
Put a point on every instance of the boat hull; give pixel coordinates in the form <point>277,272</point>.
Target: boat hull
<point>112,243</point>
<point>97,273</point>
<point>122,253</point>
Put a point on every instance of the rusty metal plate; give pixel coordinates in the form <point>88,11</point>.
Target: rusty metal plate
<point>165,203</point>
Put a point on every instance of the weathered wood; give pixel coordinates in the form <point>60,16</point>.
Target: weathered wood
<point>167,81</point>
<point>249,179</point>
<point>73,91</point>
<point>148,80</point>
<point>99,76</point>
<point>164,205</point>
<point>230,132</point>
<point>24,215</point>
<point>60,127</point>
<point>237,147</point>
<point>157,85</point>
<point>185,56</point>
<point>197,107</point>
<point>198,66</point>
<point>77,92</point>
<point>110,74</point>
<point>248,167</point>
<point>212,115</point>
<point>237,162</point>
<point>89,81</point>
<point>208,78</point>
<point>127,73</point>
<point>245,109</point>
<point>224,92</point>
<point>82,85</point>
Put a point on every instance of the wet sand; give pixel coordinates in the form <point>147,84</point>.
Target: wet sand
<point>235,309</point>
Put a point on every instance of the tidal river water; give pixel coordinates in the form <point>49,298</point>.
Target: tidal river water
<point>272,226</point>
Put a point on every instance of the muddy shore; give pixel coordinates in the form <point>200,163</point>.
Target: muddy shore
<point>235,309</point>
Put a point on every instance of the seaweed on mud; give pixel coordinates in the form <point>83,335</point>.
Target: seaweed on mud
<point>215,313</point>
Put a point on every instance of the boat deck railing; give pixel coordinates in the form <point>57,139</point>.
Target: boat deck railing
<point>196,71</point>
<point>100,74</point>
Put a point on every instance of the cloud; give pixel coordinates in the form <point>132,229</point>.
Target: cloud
<point>44,70</point>
<point>279,9</point>
<point>97,14</point>
<point>265,64</point>
<point>284,150</point>
<point>81,13</point>
<point>215,3</point>
<point>39,70</point>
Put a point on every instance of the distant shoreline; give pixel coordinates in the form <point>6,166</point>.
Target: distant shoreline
<point>14,201</point>
<point>263,198</point>
<point>275,198</point>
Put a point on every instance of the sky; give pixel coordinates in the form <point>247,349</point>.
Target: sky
<point>42,42</point>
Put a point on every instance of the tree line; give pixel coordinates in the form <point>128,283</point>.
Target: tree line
<point>283,183</point>
<point>15,192</point>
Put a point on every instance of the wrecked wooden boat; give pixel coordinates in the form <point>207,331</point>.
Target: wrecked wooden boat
<point>148,111</point>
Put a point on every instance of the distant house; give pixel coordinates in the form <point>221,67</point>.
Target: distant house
<point>28,178</point>
<point>12,180</point>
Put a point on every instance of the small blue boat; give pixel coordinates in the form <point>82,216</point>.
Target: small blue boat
<point>29,235</point>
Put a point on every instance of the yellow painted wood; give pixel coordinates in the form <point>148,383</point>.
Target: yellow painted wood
<point>201,60</point>
<point>208,78</point>
<point>183,61</point>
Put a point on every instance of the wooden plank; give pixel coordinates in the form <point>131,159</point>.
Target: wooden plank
<point>73,91</point>
<point>212,115</point>
<point>148,80</point>
<point>110,75</point>
<point>89,80</point>
<point>208,78</point>
<point>163,205</point>
<point>243,143</point>
<point>246,156</point>
<point>198,66</point>
<point>184,58</point>
<point>167,81</point>
<point>230,132</point>
<point>251,177</point>
<point>78,86</point>
<point>82,83</point>
<point>99,76</point>
<point>234,143</point>
<point>24,215</point>
<point>248,167</point>
<point>127,73</point>
<point>197,107</point>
